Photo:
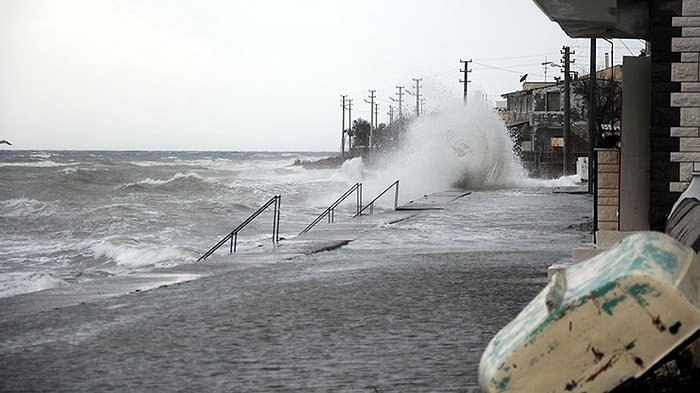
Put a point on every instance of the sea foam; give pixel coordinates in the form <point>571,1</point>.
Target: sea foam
<point>456,146</point>
<point>17,283</point>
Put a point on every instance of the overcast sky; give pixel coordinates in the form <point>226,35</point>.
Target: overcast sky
<point>252,75</point>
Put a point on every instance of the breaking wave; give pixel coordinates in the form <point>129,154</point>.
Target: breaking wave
<point>16,283</point>
<point>178,180</point>
<point>455,147</point>
<point>131,253</point>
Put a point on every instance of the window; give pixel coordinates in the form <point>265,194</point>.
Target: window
<point>553,102</point>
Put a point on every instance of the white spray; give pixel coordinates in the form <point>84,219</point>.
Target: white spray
<point>456,147</point>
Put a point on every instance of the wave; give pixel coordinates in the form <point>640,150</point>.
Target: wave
<point>43,155</point>
<point>456,147</point>
<point>74,168</point>
<point>178,180</point>
<point>130,253</point>
<point>17,283</point>
<point>25,207</point>
<point>564,181</point>
<point>36,164</point>
<point>352,171</point>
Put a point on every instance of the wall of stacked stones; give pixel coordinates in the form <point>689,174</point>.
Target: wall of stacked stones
<point>687,100</point>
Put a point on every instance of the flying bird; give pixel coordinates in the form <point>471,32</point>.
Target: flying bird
<point>522,78</point>
<point>4,142</point>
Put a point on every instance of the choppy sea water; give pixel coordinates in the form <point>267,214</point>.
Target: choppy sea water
<point>72,216</point>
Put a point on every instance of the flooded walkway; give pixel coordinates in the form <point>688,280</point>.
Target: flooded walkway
<point>408,309</point>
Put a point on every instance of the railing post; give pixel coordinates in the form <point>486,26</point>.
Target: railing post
<point>276,220</point>
<point>371,204</point>
<point>396,195</point>
<point>359,198</point>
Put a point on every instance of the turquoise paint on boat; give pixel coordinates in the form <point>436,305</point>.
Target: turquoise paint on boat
<point>610,304</point>
<point>502,384</point>
<point>638,291</point>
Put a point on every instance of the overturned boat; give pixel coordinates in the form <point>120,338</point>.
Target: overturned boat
<point>600,322</point>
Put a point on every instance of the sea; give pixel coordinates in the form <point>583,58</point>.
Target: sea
<point>407,308</point>
<point>71,216</point>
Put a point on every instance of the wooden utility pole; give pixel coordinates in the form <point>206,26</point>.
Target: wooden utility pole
<point>342,128</point>
<point>466,80</point>
<point>567,108</point>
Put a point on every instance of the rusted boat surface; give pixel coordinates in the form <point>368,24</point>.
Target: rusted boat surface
<point>600,322</point>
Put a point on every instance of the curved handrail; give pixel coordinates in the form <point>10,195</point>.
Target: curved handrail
<point>371,204</point>
<point>233,236</point>
<point>330,211</point>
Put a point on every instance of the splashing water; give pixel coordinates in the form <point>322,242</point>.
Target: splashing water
<point>457,147</point>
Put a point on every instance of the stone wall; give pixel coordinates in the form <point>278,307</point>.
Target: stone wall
<point>685,70</point>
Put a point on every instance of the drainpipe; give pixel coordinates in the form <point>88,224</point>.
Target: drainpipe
<point>592,132</point>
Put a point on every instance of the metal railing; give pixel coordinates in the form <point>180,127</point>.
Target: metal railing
<point>233,236</point>
<point>371,204</point>
<point>330,211</point>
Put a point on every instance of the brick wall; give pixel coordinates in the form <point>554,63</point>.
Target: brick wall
<point>608,189</point>
<point>687,73</point>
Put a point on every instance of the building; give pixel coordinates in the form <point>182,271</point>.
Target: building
<point>660,141</point>
<point>534,116</point>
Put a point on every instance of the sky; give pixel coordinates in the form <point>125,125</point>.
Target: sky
<point>262,75</point>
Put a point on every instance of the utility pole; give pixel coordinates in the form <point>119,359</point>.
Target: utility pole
<point>399,101</point>
<point>566,51</point>
<point>371,117</point>
<point>342,127</point>
<point>611,100</point>
<point>466,80</point>
<point>376,115</point>
<point>349,120</point>
<point>391,114</point>
<point>545,65</point>
<point>417,80</point>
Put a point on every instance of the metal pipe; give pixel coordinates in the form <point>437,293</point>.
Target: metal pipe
<point>592,136</point>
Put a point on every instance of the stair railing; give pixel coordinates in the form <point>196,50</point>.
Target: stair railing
<point>330,211</point>
<point>371,204</point>
<point>233,236</point>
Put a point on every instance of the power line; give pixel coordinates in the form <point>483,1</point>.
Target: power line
<point>516,57</point>
<point>498,68</point>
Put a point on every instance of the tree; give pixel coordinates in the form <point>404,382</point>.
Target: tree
<point>359,133</point>
<point>609,108</point>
